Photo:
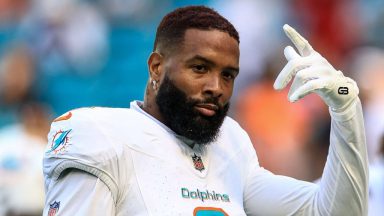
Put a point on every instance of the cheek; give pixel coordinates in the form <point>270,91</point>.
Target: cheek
<point>230,90</point>
<point>183,80</point>
<point>227,93</point>
<point>190,84</point>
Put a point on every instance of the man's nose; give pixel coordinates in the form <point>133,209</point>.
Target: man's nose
<point>213,86</point>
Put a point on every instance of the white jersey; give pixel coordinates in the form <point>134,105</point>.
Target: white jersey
<point>109,161</point>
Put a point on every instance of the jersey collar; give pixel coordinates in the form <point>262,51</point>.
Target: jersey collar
<point>136,105</point>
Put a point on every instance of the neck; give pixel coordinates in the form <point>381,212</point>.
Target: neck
<point>151,107</point>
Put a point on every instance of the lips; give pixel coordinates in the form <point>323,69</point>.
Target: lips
<point>207,109</point>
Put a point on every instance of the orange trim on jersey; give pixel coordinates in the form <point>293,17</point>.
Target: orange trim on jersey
<point>63,117</point>
<point>209,209</point>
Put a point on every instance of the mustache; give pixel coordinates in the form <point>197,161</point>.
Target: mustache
<point>208,100</point>
<point>221,108</point>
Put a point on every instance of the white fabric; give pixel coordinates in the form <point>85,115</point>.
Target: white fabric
<point>80,193</point>
<point>154,173</point>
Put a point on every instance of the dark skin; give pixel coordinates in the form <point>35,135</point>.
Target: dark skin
<point>204,65</point>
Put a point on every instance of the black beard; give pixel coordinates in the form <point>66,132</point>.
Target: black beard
<point>180,115</point>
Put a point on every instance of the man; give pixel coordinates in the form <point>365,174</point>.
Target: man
<point>177,153</point>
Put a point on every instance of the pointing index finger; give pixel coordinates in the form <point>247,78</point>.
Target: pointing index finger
<point>301,43</point>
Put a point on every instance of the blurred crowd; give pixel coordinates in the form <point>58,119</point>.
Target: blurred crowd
<point>60,55</point>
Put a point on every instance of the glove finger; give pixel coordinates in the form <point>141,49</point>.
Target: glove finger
<point>308,88</point>
<point>290,70</point>
<point>302,45</point>
<point>290,53</point>
<point>305,75</point>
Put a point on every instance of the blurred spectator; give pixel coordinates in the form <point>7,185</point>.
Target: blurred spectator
<point>376,183</point>
<point>69,40</point>
<point>17,75</point>
<point>68,36</point>
<point>21,151</point>
<point>22,135</point>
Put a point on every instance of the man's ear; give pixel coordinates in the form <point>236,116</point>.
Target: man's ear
<point>155,65</point>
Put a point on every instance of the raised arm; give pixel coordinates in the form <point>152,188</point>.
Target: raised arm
<point>343,189</point>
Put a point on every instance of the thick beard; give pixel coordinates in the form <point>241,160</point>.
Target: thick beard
<point>180,115</point>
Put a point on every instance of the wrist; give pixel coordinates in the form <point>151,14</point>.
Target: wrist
<point>346,113</point>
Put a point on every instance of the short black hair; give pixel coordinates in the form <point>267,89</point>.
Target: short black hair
<point>170,32</point>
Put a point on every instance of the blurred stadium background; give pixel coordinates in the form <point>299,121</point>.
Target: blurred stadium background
<point>60,55</point>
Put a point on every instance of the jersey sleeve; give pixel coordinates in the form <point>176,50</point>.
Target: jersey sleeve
<point>78,193</point>
<point>78,141</point>
<point>343,189</point>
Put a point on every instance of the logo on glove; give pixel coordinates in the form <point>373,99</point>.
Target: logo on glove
<point>343,90</point>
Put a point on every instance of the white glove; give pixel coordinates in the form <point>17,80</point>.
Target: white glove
<point>313,73</point>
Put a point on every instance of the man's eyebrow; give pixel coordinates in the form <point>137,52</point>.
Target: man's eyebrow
<point>233,69</point>
<point>200,58</point>
<point>209,62</point>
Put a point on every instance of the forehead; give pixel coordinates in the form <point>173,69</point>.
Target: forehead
<point>212,44</point>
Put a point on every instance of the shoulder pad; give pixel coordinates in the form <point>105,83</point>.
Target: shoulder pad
<point>77,140</point>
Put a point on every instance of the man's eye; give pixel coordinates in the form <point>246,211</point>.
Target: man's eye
<point>228,75</point>
<point>199,68</point>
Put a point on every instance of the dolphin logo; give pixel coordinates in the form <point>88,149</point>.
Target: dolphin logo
<point>60,140</point>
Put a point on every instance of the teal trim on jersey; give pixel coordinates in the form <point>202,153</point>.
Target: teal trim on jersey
<point>209,213</point>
